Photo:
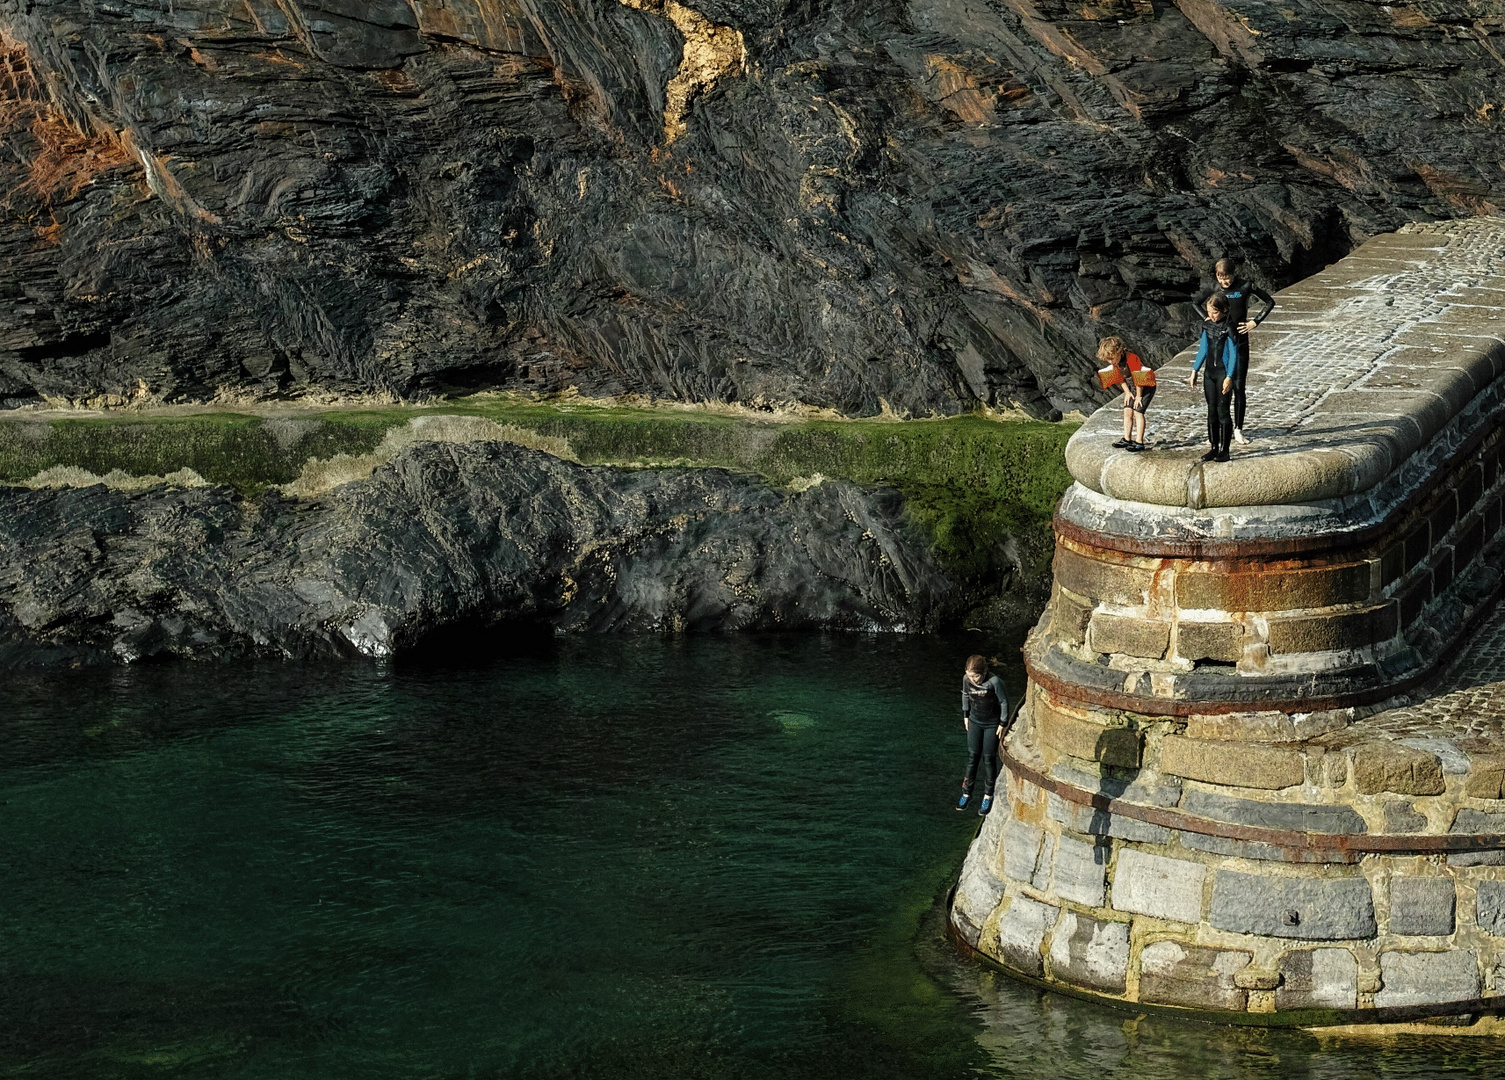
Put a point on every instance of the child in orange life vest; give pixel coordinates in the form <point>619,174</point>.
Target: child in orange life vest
<point>1137,390</point>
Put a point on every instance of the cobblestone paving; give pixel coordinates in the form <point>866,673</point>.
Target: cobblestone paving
<point>1469,703</point>
<point>1301,358</point>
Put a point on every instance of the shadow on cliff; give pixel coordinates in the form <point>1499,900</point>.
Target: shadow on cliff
<point>476,643</point>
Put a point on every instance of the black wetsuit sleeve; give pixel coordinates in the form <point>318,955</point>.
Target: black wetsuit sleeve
<point>1200,300</point>
<point>966,700</point>
<point>1269,301</point>
<point>1003,699</point>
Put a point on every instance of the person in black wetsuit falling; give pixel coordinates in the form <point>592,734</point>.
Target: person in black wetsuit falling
<point>985,707</point>
<point>1218,352</point>
<point>1237,292</point>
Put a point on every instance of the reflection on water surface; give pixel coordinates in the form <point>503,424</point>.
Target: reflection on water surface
<point>603,857</point>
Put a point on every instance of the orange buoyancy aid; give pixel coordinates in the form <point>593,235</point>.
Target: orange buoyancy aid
<point>1137,365</point>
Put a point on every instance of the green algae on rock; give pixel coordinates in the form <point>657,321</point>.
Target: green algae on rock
<point>982,491</point>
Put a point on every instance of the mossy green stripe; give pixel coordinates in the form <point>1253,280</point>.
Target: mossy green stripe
<point>972,483</point>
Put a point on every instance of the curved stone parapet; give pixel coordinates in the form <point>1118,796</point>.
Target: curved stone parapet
<point>1238,783</point>
<point>1359,368</point>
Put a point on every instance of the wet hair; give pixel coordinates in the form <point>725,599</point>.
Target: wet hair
<point>978,663</point>
<point>1225,266</point>
<point>1218,304</point>
<point>1111,350</point>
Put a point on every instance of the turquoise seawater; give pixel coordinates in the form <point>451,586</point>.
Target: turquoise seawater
<point>591,857</point>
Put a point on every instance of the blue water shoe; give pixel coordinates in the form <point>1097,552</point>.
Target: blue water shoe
<point>987,804</point>
<point>961,804</point>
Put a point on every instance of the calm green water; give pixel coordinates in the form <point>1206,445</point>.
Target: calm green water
<point>601,858</point>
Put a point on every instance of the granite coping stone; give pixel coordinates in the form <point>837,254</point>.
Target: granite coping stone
<point>1358,368</point>
<point>1329,521</point>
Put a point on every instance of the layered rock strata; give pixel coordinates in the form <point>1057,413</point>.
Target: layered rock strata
<point>1237,783</point>
<point>924,203</point>
<point>447,537</point>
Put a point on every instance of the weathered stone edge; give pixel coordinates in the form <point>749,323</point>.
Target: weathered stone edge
<point>1159,529</point>
<point>1393,1014</point>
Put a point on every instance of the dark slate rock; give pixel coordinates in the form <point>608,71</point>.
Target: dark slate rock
<point>1162,791</point>
<point>1427,978</point>
<point>1318,979</point>
<point>1027,854</point>
<point>1422,906</point>
<point>1090,952</point>
<point>1478,823</point>
<point>1489,907</point>
<point>1305,908</point>
<point>922,204</point>
<point>1081,869</point>
<point>1021,931</point>
<point>1299,817</point>
<point>1193,976</point>
<point>1085,819</point>
<point>1237,849</point>
<point>448,536</point>
<point>1401,817</point>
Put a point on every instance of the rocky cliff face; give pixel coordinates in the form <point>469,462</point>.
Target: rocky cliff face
<point>447,537</point>
<point>842,203</point>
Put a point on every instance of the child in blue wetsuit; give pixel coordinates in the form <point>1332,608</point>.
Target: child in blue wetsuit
<point>984,709</point>
<point>1238,293</point>
<point>1219,352</point>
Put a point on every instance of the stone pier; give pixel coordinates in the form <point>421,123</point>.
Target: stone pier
<point>1259,771</point>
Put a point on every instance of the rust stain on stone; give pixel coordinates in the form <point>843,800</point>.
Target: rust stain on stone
<point>60,156</point>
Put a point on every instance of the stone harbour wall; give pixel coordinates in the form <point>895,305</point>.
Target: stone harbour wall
<point>1246,623</point>
<point>1259,770</point>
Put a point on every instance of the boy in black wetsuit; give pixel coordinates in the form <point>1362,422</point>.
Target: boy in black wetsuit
<point>985,707</point>
<point>1218,351</point>
<point>1237,292</point>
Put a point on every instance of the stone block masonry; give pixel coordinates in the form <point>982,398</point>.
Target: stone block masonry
<point>1423,906</point>
<point>1318,979</point>
<point>1490,908</point>
<point>1427,978</point>
<point>1159,887</point>
<point>1081,871</point>
<point>1309,909</point>
<point>1090,952</point>
<point>1193,976</point>
<point>1265,718</point>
